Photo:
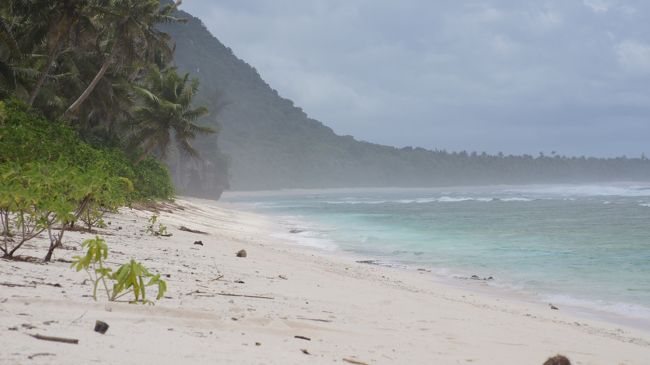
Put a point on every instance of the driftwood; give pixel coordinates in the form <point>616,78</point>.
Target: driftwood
<point>183,228</point>
<point>12,285</point>
<point>315,319</point>
<point>244,296</point>
<point>73,341</point>
<point>204,294</point>
<point>353,361</point>
<point>302,338</point>
<point>56,285</point>
<point>31,357</point>
<point>217,278</point>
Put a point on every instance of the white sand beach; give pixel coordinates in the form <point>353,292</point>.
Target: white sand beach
<point>344,312</point>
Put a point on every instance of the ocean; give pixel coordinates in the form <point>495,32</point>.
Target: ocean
<point>583,246</point>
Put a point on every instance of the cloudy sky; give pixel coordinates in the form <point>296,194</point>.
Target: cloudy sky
<point>518,76</point>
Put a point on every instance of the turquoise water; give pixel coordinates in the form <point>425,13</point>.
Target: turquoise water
<point>585,246</point>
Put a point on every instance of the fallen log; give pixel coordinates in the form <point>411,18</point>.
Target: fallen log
<point>72,341</point>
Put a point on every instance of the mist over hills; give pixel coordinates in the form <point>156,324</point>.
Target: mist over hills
<point>269,143</point>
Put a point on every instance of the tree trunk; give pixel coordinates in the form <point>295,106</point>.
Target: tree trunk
<point>75,106</point>
<point>54,53</point>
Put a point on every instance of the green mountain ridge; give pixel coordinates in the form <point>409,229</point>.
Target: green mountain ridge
<point>272,144</point>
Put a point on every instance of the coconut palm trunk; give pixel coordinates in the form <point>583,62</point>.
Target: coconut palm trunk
<point>54,53</point>
<point>100,74</point>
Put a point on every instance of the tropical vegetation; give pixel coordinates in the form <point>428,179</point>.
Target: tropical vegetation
<point>90,105</point>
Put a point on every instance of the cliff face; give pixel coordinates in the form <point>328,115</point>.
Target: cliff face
<point>272,144</point>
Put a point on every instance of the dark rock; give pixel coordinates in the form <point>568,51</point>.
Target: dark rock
<point>200,243</point>
<point>475,277</point>
<point>557,360</point>
<point>101,327</point>
<point>553,307</point>
<point>241,253</point>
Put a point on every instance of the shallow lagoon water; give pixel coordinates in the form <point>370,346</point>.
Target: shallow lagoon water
<point>580,245</point>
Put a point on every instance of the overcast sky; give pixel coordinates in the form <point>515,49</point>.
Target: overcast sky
<point>518,76</point>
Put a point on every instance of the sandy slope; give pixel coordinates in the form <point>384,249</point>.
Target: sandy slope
<point>370,314</point>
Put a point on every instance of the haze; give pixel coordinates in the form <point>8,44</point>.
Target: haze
<point>515,76</point>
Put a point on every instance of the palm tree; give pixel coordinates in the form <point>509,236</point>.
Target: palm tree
<point>9,51</point>
<point>130,35</point>
<point>166,113</point>
<point>56,19</point>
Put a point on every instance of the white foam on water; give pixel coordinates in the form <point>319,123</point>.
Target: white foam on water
<point>627,310</point>
<point>584,190</point>
<point>516,199</point>
<point>647,205</point>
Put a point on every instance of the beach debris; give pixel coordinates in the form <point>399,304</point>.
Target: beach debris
<point>353,361</point>
<point>244,296</point>
<point>476,277</point>
<point>258,344</point>
<point>72,341</point>
<point>302,338</point>
<point>28,326</point>
<point>283,277</point>
<point>101,327</point>
<point>553,307</point>
<point>12,285</point>
<point>31,357</point>
<point>241,253</point>
<point>315,319</point>
<point>183,228</point>
<point>368,262</point>
<point>557,360</point>
<point>12,329</point>
<point>239,282</point>
<point>295,230</point>
<point>217,278</point>
<point>56,285</point>
<point>200,243</point>
<point>304,351</point>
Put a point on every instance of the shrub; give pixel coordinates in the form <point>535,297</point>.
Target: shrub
<point>130,278</point>
<point>34,197</point>
<point>152,180</point>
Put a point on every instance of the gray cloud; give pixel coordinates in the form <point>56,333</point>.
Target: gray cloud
<point>518,76</point>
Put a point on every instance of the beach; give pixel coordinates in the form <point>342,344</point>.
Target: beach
<point>281,304</point>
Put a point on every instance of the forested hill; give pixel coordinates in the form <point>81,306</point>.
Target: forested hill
<point>273,144</point>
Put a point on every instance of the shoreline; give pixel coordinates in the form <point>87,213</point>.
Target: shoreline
<point>463,282</point>
<point>367,313</point>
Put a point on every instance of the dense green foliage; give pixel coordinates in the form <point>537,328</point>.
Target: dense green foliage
<point>84,124</point>
<point>274,144</point>
<point>130,278</point>
<point>166,113</point>
<point>94,63</point>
